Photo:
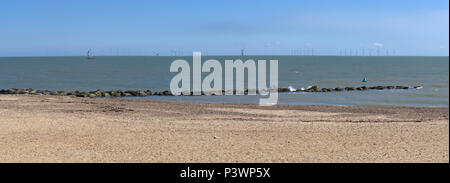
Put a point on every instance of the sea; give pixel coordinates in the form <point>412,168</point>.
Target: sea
<point>152,72</point>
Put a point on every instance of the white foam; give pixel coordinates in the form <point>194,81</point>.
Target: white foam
<point>292,89</point>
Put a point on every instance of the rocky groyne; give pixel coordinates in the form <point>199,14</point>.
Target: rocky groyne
<point>144,93</point>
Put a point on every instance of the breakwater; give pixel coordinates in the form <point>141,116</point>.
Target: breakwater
<point>143,93</point>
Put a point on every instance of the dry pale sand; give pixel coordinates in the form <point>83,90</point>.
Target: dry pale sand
<point>66,129</point>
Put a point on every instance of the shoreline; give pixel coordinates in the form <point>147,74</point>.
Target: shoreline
<point>47,128</point>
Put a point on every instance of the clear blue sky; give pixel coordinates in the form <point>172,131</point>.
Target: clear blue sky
<point>70,27</point>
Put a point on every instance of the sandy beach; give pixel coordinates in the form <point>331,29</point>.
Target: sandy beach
<point>69,129</point>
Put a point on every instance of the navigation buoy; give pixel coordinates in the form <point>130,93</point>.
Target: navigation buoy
<point>364,80</point>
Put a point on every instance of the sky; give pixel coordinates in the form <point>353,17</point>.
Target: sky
<point>175,27</point>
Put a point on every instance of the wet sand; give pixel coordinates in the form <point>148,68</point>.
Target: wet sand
<point>68,129</point>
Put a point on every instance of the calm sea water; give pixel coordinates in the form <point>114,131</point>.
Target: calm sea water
<point>78,73</point>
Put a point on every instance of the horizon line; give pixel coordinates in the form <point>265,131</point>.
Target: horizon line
<point>228,55</point>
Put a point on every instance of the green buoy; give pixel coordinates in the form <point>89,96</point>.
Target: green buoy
<point>364,80</point>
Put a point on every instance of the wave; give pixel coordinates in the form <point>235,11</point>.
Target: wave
<point>292,89</point>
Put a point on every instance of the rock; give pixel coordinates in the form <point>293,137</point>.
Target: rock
<point>380,87</point>
<point>74,93</point>
<point>362,88</point>
<point>126,94</point>
<point>91,95</point>
<point>116,93</point>
<point>210,93</point>
<point>229,92</point>
<point>338,89</point>
<point>148,92</point>
<point>185,93</point>
<point>106,94</point>
<point>21,91</point>
<point>11,91</point>
<point>390,87</point>
<point>207,93</point>
<point>402,87</point>
<point>283,90</point>
<point>142,93</point>
<point>46,92</point>
<point>169,93</point>
<point>83,94</point>
<point>349,88</point>
<point>61,93</point>
<point>132,93</point>
<point>32,92</point>
<point>99,92</point>
<point>80,95</point>
<point>313,89</point>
